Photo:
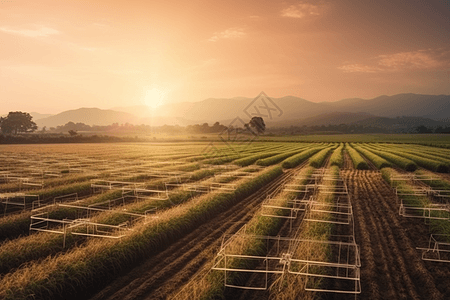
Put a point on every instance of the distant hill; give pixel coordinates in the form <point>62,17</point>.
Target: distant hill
<point>296,111</point>
<point>89,116</point>
<point>363,119</point>
<point>37,116</point>
<point>334,118</point>
<point>294,108</point>
<point>400,122</point>
<point>415,105</point>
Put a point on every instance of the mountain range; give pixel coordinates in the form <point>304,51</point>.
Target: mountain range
<point>286,111</point>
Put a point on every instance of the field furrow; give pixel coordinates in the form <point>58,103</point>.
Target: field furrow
<point>396,264</point>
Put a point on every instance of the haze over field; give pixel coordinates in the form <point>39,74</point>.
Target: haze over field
<point>294,111</point>
<point>63,55</point>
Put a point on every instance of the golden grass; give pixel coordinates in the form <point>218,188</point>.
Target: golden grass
<point>36,272</point>
<point>203,286</point>
<point>291,286</point>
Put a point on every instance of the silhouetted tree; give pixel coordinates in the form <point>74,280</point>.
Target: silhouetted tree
<point>72,132</point>
<point>423,129</point>
<point>17,122</point>
<point>258,124</point>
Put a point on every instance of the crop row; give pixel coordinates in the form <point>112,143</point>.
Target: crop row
<point>83,267</point>
<point>297,159</point>
<point>378,161</point>
<point>425,161</point>
<point>402,162</point>
<point>212,285</point>
<point>337,158</point>
<point>357,159</point>
<point>410,199</point>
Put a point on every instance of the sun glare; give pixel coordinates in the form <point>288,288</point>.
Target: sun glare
<point>154,97</point>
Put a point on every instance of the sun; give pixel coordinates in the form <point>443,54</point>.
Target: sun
<point>154,97</point>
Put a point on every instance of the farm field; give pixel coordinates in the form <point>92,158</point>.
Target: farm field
<point>192,220</point>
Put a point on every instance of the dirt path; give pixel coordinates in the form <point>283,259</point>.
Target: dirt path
<point>348,164</point>
<point>166,272</point>
<point>391,266</point>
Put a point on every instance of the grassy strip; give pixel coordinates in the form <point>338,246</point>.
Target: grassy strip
<point>317,160</point>
<point>337,158</point>
<point>211,286</point>
<point>436,226</point>
<point>229,155</point>
<point>427,154</point>
<point>437,184</point>
<point>82,189</point>
<point>15,225</point>
<point>293,285</point>
<point>98,262</point>
<point>404,163</point>
<point>246,161</point>
<point>297,159</point>
<point>49,183</point>
<point>436,152</point>
<point>378,161</point>
<point>18,251</point>
<point>425,162</point>
<point>357,159</point>
<point>278,158</point>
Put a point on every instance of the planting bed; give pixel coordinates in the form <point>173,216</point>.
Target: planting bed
<point>391,267</point>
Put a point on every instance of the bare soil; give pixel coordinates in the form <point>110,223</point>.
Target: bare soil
<point>391,268</point>
<point>348,164</point>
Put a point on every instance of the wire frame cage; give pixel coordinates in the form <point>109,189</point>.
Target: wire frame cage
<point>438,248</point>
<point>422,203</point>
<point>336,260</point>
<point>16,202</point>
<point>342,264</point>
<point>60,218</point>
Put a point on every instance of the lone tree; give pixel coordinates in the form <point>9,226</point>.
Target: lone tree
<point>73,132</point>
<point>257,123</point>
<point>16,122</point>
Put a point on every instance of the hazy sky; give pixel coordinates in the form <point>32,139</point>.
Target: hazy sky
<point>59,55</point>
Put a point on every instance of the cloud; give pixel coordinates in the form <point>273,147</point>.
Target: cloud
<point>429,59</point>
<point>422,59</point>
<point>300,10</point>
<point>230,33</point>
<point>41,31</point>
<point>352,68</point>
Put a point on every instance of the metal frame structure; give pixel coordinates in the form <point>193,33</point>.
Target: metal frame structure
<point>82,221</point>
<point>438,249</point>
<point>283,255</point>
<point>436,211</point>
<point>344,265</point>
<point>102,184</point>
<point>17,200</point>
<point>204,187</point>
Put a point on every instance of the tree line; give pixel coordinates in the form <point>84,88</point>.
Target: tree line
<point>353,129</point>
<point>21,122</point>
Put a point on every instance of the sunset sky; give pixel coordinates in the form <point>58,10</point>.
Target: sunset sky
<point>60,55</point>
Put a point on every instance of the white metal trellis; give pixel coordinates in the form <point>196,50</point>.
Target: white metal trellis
<point>284,255</point>
<point>438,249</point>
